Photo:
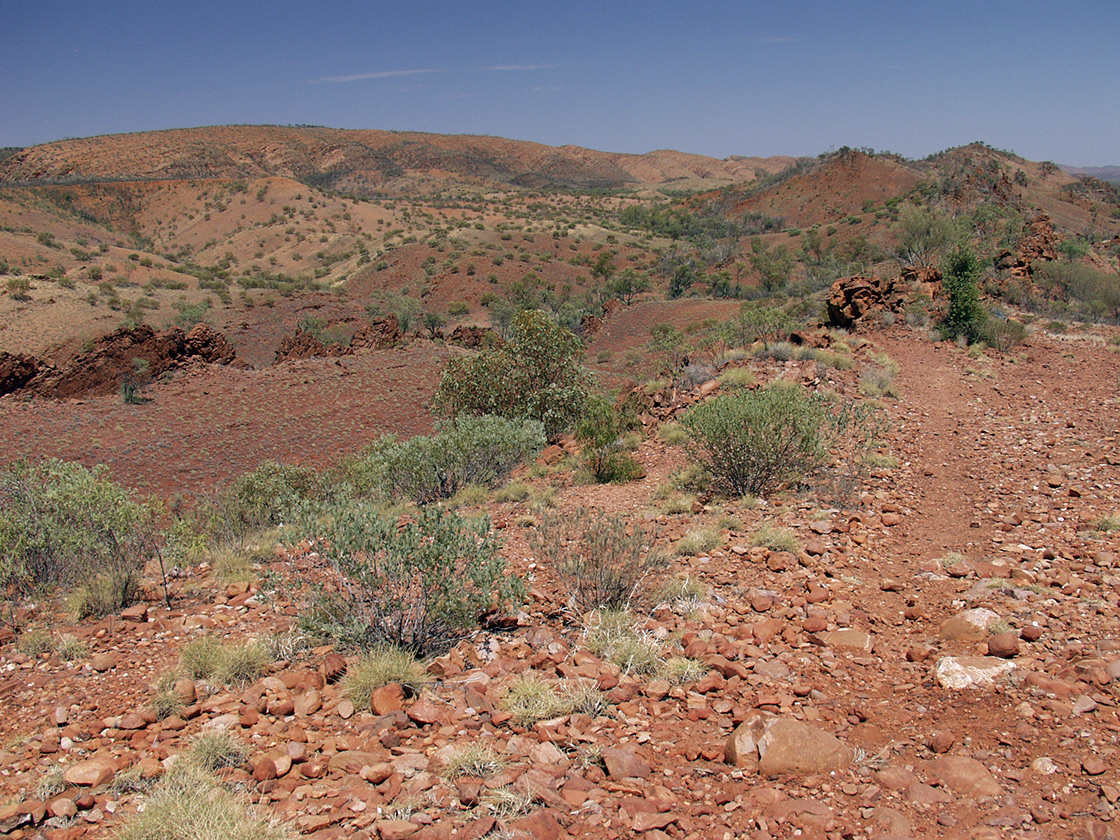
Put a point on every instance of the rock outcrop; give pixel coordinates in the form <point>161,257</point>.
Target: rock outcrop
<point>1037,245</point>
<point>382,333</point>
<point>128,353</point>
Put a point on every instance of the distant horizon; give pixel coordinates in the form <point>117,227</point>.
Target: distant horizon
<point>829,150</point>
<point>716,79</point>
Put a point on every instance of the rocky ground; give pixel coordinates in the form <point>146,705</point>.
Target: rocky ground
<point>939,657</point>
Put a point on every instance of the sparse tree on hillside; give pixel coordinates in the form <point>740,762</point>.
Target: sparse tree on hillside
<point>537,374</point>
<point>922,233</point>
<point>627,285</point>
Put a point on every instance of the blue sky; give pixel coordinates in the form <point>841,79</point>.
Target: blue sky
<point>726,78</point>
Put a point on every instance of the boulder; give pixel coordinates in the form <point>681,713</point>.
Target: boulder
<point>777,746</point>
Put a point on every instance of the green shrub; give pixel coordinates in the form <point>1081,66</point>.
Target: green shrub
<point>735,378</point>
<point>1003,333</point>
<point>244,663</point>
<point>63,523</point>
<point>201,659</point>
<point>71,648</point>
<point>467,451</point>
<point>698,541</point>
<point>601,560</point>
<point>758,441</point>
<point>166,701</point>
<point>673,434</point>
<point>35,642</point>
<point>776,539</point>
<point>538,374</point>
<point>272,493</point>
<point>419,585</point>
<point>479,760</point>
<point>530,699</point>
<point>966,316</point>
<point>601,433</point>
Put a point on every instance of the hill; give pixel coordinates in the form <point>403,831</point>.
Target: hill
<point>366,162</point>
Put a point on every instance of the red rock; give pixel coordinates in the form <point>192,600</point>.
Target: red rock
<point>649,820</point>
<point>541,825</point>
<point>425,712</point>
<point>1003,645</point>
<point>308,703</point>
<point>102,662</point>
<point>264,769</point>
<point>942,741</point>
<point>1093,766</point>
<point>137,613</point>
<point>131,722</point>
<point>63,806</point>
<point>90,773</point>
<point>965,776</point>
<point>375,774</point>
<point>395,829</point>
<point>387,699</point>
<point>623,763</point>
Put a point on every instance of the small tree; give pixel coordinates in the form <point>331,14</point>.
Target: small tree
<point>538,374</point>
<point>921,234</point>
<point>627,284</point>
<point>61,523</point>
<point>966,316</point>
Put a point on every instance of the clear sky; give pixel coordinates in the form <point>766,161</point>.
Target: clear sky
<point>1041,79</point>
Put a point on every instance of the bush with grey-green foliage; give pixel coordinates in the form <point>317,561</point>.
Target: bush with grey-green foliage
<point>466,451</point>
<point>62,523</point>
<point>420,585</point>
<point>758,441</point>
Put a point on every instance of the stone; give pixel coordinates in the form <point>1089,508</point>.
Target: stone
<point>102,662</point>
<point>541,825</point>
<point>777,746</point>
<point>426,713</point>
<point>387,699</point>
<point>968,626</point>
<point>395,829</point>
<point>63,807</point>
<point>625,764</point>
<point>1003,645</point>
<point>1093,766</point>
<point>308,703</point>
<point>942,741</point>
<point>90,773</point>
<point>961,672</point>
<point>137,613</point>
<point>646,820</point>
<point>965,776</point>
<point>265,769</point>
<point>375,774</point>
<point>848,639</point>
